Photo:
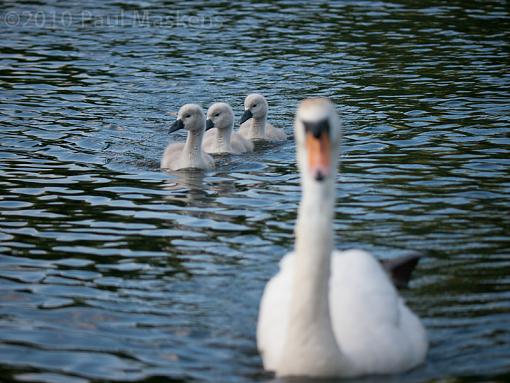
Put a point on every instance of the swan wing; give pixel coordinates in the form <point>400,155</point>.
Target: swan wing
<point>373,326</point>
<point>273,315</point>
<point>241,143</point>
<point>171,156</point>
<point>244,130</point>
<point>209,140</point>
<point>275,134</point>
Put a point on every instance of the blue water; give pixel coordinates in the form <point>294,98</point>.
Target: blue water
<point>112,270</point>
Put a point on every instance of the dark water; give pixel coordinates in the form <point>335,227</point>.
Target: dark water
<point>111,270</point>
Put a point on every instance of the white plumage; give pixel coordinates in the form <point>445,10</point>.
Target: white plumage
<point>188,155</point>
<point>326,312</point>
<point>220,137</point>
<point>254,125</point>
<point>373,327</point>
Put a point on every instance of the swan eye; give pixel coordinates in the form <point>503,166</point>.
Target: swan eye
<point>187,116</point>
<point>216,115</point>
<point>254,106</point>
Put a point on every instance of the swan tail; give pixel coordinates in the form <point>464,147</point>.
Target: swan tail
<point>400,269</point>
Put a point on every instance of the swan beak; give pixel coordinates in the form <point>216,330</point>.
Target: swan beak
<point>318,147</point>
<point>209,124</point>
<point>178,124</point>
<point>246,116</point>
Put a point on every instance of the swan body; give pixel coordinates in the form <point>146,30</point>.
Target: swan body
<point>219,137</point>
<point>331,313</point>
<point>254,125</point>
<point>190,154</point>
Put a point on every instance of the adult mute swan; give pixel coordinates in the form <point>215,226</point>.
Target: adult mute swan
<point>330,313</point>
<point>219,137</point>
<point>254,125</point>
<point>190,154</point>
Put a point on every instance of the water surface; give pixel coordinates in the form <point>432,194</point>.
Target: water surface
<point>112,270</point>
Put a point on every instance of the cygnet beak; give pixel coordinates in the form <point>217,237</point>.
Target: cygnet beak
<point>246,116</point>
<point>178,124</point>
<point>209,124</point>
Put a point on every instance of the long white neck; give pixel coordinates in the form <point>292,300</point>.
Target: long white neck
<point>258,127</point>
<point>310,345</point>
<point>192,152</point>
<point>314,243</point>
<point>223,139</point>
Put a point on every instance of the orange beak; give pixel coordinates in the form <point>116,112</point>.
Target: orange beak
<point>319,155</point>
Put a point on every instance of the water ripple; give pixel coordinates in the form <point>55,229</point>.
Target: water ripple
<point>111,270</point>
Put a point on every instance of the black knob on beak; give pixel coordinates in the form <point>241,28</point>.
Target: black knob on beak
<point>317,128</point>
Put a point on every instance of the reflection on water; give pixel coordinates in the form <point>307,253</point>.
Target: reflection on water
<point>112,270</point>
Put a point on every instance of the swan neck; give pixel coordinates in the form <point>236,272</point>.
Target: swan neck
<point>193,146</point>
<point>314,242</point>
<point>258,127</point>
<point>223,138</point>
<point>310,332</point>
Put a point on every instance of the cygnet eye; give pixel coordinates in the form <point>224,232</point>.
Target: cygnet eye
<point>254,106</point>
<point>187,116</point>
<point>217,114</point>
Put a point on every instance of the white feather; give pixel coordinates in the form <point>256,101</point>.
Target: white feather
<point>326,312</point>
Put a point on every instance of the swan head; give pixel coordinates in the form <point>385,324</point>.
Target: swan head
<point>220,115</point>
<point>255,105</point>
<point>318,132</point>
<point>190,117</point>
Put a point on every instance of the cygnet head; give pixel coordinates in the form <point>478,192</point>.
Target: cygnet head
<point>220,115</point>
<point>190,117</point>
<point>318,133</point>
<point>255,106</point>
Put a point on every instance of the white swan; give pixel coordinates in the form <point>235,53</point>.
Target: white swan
<point>190,154</point>
<point>331,313</point>
<point>219,137</point>
<point>254,125</point>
